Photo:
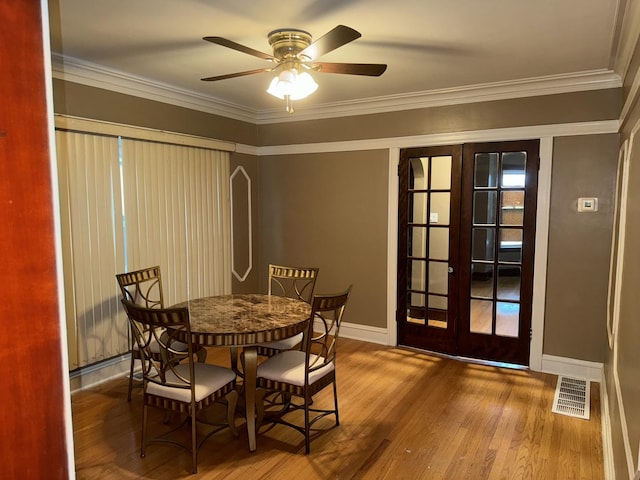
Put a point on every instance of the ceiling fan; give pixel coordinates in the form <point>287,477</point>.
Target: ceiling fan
<point>294,55</point>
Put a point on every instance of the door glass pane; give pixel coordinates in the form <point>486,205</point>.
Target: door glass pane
<point>438,313</point>
<point>512,207</point>
<point>439,243</point>
<point>417,242</point>
<point>438,277</point>
<point>481,316</point>
<point>418,207</point>
<point>440,207</point>
<point>486,170</point>
<point>507,319</point>
<point>484,207</point>
<point>510,245</point>
<point>441,173</point>
<point>509,282</point>
<point>483,243</point>
<point>417,275</point>
<point>419,172</point>
<point>415,307</point>
<point>513,169</point>
<point>482,280</point>
<point>438,302</point>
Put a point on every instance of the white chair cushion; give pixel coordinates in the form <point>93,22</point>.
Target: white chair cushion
<point>208,379</point>
<point>286,344</point>
<point>288,367</point>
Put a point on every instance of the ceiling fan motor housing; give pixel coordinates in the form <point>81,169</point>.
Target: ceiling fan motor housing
<point>288,42</point>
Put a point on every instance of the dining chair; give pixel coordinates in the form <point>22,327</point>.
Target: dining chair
<point>144,287</point>
<point>303,373</point>
<point>178,383</point>
<point>292,282</point>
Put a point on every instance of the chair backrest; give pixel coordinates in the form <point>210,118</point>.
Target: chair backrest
<point>142,287</point>
<point>292,282</point>
<point>322,335</point>
<point>162,326</point>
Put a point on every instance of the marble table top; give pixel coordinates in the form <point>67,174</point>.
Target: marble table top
<point>245,319</point>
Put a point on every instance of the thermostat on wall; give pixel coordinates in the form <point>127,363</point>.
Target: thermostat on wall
<point>587,204</point>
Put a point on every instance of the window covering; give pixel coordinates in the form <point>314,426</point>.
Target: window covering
<point>128,204</point>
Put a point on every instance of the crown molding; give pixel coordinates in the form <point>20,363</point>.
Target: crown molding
<point>78,71</point>
<point>629,34</point>
<point>93,75</point>
<point>531,87</point>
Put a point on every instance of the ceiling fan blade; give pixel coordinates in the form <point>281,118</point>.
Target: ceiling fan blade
<point>237,74</point>
<point>368,69</point>
<point>240,48</point>
<point>331,40</point>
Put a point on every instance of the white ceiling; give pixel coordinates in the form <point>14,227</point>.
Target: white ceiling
<point>428,45</point>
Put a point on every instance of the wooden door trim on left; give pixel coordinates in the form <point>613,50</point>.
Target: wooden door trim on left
<point>33,440</point>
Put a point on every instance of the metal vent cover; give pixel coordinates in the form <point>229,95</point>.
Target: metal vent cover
<point>572,397</point>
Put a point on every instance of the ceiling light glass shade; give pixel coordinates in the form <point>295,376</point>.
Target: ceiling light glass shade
<point>292,84</point>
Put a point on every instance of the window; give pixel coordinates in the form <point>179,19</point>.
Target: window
<point>128,204</point>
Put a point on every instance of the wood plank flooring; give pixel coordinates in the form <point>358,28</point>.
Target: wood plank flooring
<point>404,415</point>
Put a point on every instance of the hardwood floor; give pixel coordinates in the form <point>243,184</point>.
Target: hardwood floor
<point>404,415</point>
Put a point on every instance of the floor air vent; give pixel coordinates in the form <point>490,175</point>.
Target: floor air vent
<point>572,397</point>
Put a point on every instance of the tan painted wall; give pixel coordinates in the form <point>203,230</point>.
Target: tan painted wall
<point>544,110</point>
<point>330,211</point>
<point>628,336</point>
<point>579,246</point>
<point>88,102</point>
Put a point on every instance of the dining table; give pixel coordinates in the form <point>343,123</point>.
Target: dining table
<point>245,320</point>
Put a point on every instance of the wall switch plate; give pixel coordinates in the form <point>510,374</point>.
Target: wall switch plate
<point>587,204</point>
<point>433,217</point>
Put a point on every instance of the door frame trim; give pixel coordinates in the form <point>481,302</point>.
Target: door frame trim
<point>541,239</point>
<point>541,253</point>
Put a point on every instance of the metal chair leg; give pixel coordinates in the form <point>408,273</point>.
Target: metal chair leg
<point>130,378</point>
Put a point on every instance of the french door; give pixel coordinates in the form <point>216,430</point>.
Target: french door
<point>466,230</point>
<point>428,238</point>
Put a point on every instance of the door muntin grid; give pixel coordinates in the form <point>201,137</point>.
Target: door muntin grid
<point>428,230</point>
<point>496,238</point>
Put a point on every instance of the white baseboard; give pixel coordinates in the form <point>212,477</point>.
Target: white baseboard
<point>571,367</point>
<point>364,333</point>
<point>100,373</point>
<point>605,422</point>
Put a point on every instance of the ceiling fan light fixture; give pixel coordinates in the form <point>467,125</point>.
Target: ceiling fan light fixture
<point>290,83</point>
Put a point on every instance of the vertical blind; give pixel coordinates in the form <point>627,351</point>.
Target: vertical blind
<point>129,204</point>
<point>178,216</point>
<point>93,245</point>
